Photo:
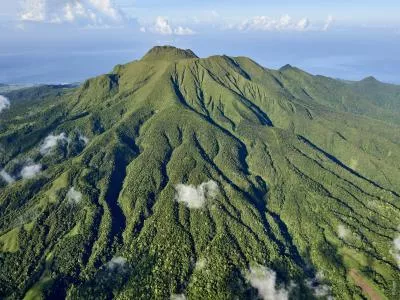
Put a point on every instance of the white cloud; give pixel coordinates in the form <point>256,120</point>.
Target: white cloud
<point>178,297</point>
<point>319,289</point>
<point>264,23</point>
<point>6,177</point>
<point>4,103</point>
<point>163,26</point>
<point>328,23</point>
<point>107,7</point>
<point>116,263</point>
<point>73,196</point>
<point>264,280</point>
<point>183,31</point>
<point>51,141</point>
<point>396,247</point>
<point>84,139</point>
<point>30,170</point>
<point>303,24</point>
<point>89,12</point>
<point>34,10</point>
<point>207,16</point>
<point>342,231</point>
<point>196,197</point>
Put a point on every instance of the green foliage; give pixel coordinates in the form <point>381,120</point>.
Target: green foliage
<point>307,168</point>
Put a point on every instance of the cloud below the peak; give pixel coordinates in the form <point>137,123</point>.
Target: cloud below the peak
<point>4,103</point>
<point>195,197</point>
<point>116,263</point>
<point>264,280</point>
<point>51,141</point>
<point>30,171</point>
<point>9,179</point>
<point>73,196</point>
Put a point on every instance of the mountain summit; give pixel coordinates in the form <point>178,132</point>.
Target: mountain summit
<point>208,178</point>
<point>168,53</point>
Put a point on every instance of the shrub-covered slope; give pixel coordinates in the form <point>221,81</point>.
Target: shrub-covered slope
<point>206,178</point>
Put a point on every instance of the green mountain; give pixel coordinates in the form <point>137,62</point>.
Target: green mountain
<point>176,176</point>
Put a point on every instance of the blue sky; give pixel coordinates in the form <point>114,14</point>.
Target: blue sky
<point>69,40</point>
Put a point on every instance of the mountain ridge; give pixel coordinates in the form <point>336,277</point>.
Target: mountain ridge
<point>195,176</point>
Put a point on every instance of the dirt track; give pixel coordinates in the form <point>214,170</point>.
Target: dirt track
<point>367,289</point>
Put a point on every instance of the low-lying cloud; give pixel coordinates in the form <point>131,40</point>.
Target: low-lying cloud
<point>317,287</point>
<point>264,280</point>
<point>4,103</point>
<point>116,263</point>
<point>84,139</point>
<point>73,196</point>
<point>396,248</point>
<point>178,297</point>
<point>342,231</point>
<point>7,177</point>
<point>196,197</point>
<point>51,141</point>
<point>30,171</point>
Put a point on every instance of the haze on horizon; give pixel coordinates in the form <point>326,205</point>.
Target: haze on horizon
<point>71,40</point>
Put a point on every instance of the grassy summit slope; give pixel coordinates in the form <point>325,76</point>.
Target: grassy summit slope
<point>304,187</point>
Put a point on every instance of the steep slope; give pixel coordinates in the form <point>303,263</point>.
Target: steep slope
<point>204,177</point>
<point>367,97</point>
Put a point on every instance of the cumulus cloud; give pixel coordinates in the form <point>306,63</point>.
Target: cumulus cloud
<point>73,196</point>
<point>264,280</point>
<point>30,170</point>
<point>163,26</point>
<point>318,288</point>
<point>328,23</point>
<point>51,141</point>
<point>196,197</point>
<point>116,263</point>
<point>84,139</point>
<point>61,11</point>
<point>265,23</point>
<point>6,177</point>
<point>342,231</point>
<point>183,31</point>
<point>4,103</point>
<point>303,24</point>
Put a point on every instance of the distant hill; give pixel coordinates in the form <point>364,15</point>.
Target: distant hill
<point>180,177</point>
<point>5,88</point>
